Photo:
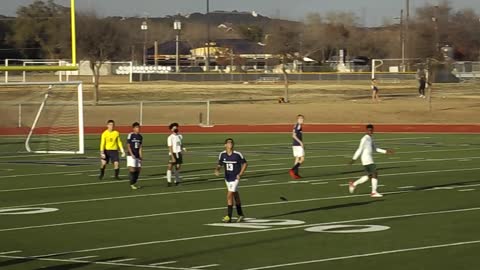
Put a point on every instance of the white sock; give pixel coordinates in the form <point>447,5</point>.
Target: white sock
<point>177,176</point>
<point>362,180</point>
<point>169,176</point>
<point>374,185</point>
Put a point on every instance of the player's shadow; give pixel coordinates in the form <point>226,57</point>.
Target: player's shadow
<point>13,262</point>
<point>360,171</point>
<point>215,250</point>
<point>324,208</point>
<point>462,183</point>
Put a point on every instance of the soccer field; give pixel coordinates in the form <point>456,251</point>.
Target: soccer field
<point>428,219</point>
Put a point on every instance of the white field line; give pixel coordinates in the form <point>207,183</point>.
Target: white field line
<point>10,252</point>
<point>250,160</point>
<point>222,188</point>
<point>220,146</point>
<point>83,257</point>
<point>466,190</point>
<point>320,183</point>
<point>204,266</point>
<point>218,208</point>
<point>208,236</point>
<point>94,262</point>
<point>364,255</point>
<point>289,143</point>
<point>162,263</point>
<point>405,187</point>
<point>122,260</point>
<point>208,174</point>
<point>190,211</point>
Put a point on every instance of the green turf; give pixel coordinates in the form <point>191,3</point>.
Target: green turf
<point>431,189</point>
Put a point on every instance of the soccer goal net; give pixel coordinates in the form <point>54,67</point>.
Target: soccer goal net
<point>42,117</point>
<point>395,70</point>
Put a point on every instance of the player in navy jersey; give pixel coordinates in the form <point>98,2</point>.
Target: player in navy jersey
<point>135,154</point>
<point>235,165</point>
<point>298,147</point>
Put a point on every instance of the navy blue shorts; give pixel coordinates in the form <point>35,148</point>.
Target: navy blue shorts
<point>111,156</point>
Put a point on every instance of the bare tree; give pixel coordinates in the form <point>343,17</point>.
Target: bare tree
<point>285,42</point>
<point>99,40</point>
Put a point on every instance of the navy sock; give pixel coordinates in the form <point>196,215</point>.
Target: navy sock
<point>131,176</point>
<point>230,210</point>
<point>136,174</point>
<point>102,172</point>
<point>239,210</point>
<point>117,172</point>
<point>295,168</point>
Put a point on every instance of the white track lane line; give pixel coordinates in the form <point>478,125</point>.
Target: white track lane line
<point>162,263</point>
<point>122,260</point>
<point>271,159</point>
<point>222,188</point>
<point>123,265</point>
<point>10,252</point>
<point>208,236</point>
<point>366,255</point>
<point>83,258</point>
<point>205,266</point>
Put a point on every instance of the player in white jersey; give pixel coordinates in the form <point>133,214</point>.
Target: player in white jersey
<point>365,151</point>
<point>175,149</point>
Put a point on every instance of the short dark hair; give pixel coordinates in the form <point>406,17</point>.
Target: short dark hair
<point>369,126</point>
<point>300,115</point>
<point>136,124</point>
<point>110,121</point>
<point>172,125</point>
<point>229,139</point>
<point>373,79</point>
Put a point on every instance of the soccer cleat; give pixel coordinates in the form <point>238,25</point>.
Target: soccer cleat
<point>351,187</point>
<point>134,187</point>
<point>240,219</point>
<point>226,219</point>
<point>177,183</point>
<point>293,175</point>
<point>100,177</point>
<point>376,195</point>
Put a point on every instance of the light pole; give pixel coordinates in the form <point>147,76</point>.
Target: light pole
<point>177,26</point>
<point>402,38</point>
<point>144,28</point>
<point>207,63</point>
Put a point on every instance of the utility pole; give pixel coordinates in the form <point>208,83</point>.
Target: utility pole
<point>207,62</point>
<point>402,39</point>
<point>407,31</point>
<point>435,27</point>
<point>144,28</point>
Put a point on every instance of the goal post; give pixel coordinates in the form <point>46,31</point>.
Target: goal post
<point>399,66</point>
<point>50,116</point>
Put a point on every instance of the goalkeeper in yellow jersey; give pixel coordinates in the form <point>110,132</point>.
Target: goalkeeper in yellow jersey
<point>109,145</point>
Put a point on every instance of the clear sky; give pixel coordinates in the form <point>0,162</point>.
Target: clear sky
<point>371,12</point>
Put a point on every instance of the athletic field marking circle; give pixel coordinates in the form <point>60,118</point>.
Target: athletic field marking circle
<point>27,211</point>
<point>347,228</point>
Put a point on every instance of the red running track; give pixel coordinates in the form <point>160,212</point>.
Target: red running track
<point>321,128</point>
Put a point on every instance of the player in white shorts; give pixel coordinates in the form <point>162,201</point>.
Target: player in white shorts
<point>175,151</point>
<point>298,147</point>
<point>135,155</point>
<point>235,165</point>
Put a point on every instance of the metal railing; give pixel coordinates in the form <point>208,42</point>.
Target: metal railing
<point>145,112</point>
